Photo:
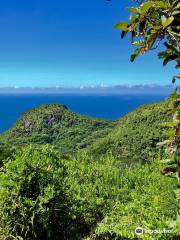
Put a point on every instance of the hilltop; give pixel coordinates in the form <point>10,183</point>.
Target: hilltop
<point>133,137</point>
<point>136,135</point>
<point>55,124</point>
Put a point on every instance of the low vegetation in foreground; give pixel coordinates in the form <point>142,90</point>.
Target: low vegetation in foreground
<point>102,192</point>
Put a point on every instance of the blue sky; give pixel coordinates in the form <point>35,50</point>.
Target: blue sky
<point>70,43</point>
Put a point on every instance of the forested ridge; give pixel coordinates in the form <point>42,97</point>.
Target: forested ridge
<point>105,190</point>
<point>56,124</point>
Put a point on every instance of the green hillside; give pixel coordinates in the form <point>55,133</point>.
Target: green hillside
<point>132,138</point>
<point>55,124</point>
<point>95,194</point>
<point>136,136</point>
<point>43,196</point>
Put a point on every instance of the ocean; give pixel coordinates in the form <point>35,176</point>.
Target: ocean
<point>101,106</point>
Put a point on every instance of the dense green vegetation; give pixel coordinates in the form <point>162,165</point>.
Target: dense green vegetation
<point>150,23</point>
<point>115,177</point>
<point>55,124</point>
<point>133,138</point>
<point>136,136</point>
<point>43,196</point>
<point>100,192</point>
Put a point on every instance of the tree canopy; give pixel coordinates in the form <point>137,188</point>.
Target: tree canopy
<point>151,22</point>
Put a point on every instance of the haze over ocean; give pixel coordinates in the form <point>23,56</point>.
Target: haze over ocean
<point>109,106</point>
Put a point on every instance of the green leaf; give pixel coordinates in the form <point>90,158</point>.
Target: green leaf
<point>122,25</point>
<point>132,18</point>
<point>157,27</point>
<point>161,4</point>
<point>169,58</point>
<point>168,161</point>
<point>178,6</point>
<point>123,34</point>
<point>177,193</point>
<point>146,6</point>
<point>171,46</point>
<point>133,9</point>
<point>163,143</point>
<point>172,133</point>
<point>169,124</point>
<point>173,79</point>
<point>167,22</point>
<point>175,12</point>
<point>135,54</point>
<point>139,43</point>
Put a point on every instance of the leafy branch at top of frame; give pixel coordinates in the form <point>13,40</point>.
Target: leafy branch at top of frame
<point>151,22</point>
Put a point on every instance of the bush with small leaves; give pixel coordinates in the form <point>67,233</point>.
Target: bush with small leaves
<point>35,201</point>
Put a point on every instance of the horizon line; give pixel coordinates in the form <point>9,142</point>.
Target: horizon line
<point>92,86</point>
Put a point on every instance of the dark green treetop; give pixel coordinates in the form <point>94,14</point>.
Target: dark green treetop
<point>153,21</point>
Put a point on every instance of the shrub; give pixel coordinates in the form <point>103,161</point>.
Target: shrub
<point>34,197</point>
<point>148,202</point>
<point>94,184</point>
<point>45,197</point>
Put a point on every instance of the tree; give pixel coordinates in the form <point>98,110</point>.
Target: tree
<point>150,23</point>
<point>35,201</point>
